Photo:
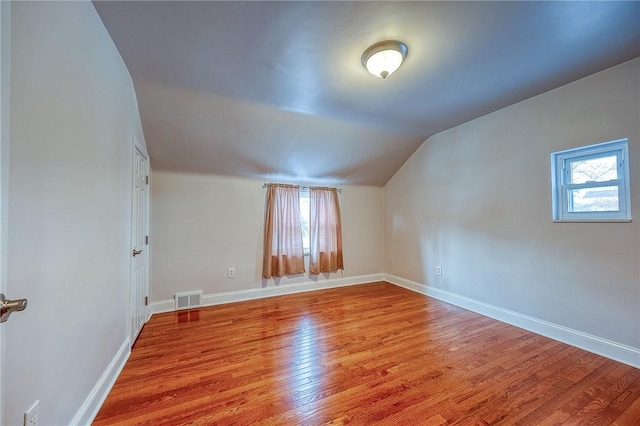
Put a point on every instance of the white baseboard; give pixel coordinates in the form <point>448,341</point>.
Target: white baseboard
<point>280,290</point>
<point>94,401</point>
<point>607,348</point>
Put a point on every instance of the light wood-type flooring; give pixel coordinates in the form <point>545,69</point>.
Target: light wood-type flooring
<point>366,355</point>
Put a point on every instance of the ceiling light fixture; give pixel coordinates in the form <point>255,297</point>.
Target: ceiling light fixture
<point>383,58</point>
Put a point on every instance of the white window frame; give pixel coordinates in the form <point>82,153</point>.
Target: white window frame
<point>560,185</point>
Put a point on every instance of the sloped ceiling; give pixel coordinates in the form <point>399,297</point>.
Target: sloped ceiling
<point>276,89</point>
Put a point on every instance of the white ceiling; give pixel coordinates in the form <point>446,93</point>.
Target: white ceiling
<point>276,89</point>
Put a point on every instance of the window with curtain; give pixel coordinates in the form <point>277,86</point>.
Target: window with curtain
<point>283,249</point>
<point>325,231</point>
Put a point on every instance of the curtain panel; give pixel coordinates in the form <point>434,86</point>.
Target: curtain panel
<point>283,250</point>
<point>325,233</point>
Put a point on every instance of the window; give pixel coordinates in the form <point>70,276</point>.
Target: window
<point>591,184</point>
<point>304,218</point>
<point>301,222</point>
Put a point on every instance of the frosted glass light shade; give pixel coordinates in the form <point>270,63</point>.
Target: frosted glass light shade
<point>384,58</point>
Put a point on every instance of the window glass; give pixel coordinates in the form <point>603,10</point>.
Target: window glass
<point>599,169</point>
<point>304,219</point>
<point>601,199</point>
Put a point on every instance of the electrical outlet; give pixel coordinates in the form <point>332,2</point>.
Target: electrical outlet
<point>439,271</point>
<point>32,416</point>
<point>232,272</point>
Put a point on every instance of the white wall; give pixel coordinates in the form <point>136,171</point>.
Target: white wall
<point>204,224</point>
<point>73,115</point>
<point>476,199</point>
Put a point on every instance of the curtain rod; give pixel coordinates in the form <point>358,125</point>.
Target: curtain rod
<point>301,187</point>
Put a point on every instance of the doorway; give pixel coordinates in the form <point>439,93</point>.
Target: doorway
<point>139,297</point>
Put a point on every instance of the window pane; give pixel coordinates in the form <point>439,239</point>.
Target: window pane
<point>594,170</point>
<point>603,199</point>
<point>304,219</point>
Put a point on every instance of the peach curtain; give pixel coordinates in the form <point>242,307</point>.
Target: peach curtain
<point>283,250</point>
<point>325,233</point>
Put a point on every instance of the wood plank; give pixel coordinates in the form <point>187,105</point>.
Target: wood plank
<point>368,354</point>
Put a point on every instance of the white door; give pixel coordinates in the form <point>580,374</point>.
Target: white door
<point>5,49</point>
<point>140,242</point>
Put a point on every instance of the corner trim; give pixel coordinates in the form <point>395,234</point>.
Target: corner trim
<point>597,345</point>
<point>90,407</point>
<point>280,290</point>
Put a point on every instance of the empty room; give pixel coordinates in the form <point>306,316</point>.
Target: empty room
<point>305,213</point>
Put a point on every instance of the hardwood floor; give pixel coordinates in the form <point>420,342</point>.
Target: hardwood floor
<point>368,354</point>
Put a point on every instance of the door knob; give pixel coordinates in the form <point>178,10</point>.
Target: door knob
<point>136,252</point>
<point>7,307</point>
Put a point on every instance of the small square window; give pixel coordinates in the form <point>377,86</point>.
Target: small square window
<point>591,184</point>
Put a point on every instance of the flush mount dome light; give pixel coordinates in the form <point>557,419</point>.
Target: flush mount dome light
<point>383,58</point>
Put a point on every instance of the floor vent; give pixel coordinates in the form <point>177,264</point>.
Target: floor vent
<point>188,300</point>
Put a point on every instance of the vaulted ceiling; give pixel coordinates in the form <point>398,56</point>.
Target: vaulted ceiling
<point>276,90</point>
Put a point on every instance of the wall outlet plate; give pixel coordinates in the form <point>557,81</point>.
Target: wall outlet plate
<point>439,271</point>
<point>232,272</point>
<point>32,415</point>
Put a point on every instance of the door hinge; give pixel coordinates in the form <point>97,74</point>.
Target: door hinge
<point>146,240</point>
<point>146,179</point>
<point>146,301</point>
